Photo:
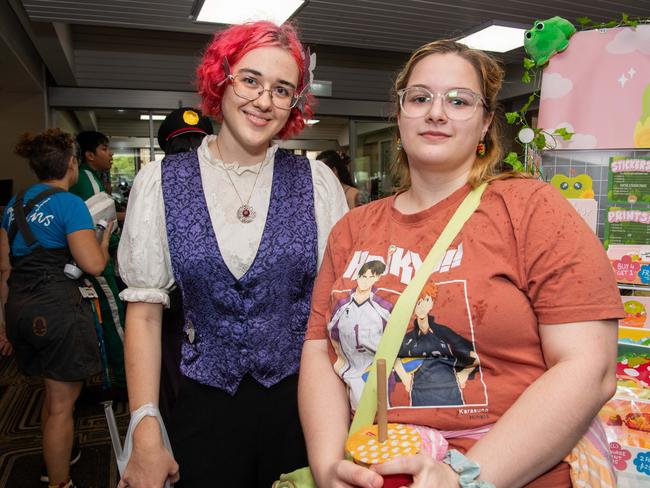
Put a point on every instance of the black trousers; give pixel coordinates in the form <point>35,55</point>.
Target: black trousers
<point>245,440</point>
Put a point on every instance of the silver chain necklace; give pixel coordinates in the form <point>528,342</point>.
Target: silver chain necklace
<point>245,213</point>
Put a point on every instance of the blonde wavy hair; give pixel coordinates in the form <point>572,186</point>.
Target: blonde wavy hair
<point>490,74</point>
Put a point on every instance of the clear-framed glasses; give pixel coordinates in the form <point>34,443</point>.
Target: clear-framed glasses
<point>458,103</point>
<point>249,87</point>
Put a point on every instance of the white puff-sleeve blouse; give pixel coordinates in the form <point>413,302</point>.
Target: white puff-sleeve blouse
<point>143,254</point>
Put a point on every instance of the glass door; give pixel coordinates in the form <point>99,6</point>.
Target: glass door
<point>373,153</point>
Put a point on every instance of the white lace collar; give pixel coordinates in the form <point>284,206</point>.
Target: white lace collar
<point>206,155</point>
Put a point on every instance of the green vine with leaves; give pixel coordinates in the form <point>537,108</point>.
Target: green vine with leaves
<point>624,21</point>
<point>532,72</point>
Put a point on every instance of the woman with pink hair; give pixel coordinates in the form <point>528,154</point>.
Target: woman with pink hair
<point>240,227</point>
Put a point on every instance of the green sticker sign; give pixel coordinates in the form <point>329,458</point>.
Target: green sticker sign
<point>629,180</point>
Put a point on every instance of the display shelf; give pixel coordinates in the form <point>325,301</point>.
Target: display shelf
<point>632,334</point>
<point>625,348</point>
<point>627,286</point>
<point>634,394</point>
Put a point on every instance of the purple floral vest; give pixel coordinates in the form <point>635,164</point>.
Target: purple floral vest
<point>255,324</point>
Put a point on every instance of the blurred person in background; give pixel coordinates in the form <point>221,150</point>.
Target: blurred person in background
<point>96,160</point>
<point>49,322</point>
<point>340,165</point>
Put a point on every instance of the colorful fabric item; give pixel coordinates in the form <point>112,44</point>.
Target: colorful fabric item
<point>433,442</point>
<point>255,324</point>
<point>111,310</point>
<point>467,470</point>
<point>300,478</point>
<point>591,460</point>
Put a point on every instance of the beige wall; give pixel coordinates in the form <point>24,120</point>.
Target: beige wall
<point>22,96</point>
<point>21,112</point>
<point>23,92</point>
<point>64,120</point>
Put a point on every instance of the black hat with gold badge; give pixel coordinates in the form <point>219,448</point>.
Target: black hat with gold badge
<point>183,120</point>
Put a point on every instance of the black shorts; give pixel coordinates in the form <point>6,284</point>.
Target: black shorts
<point>52,330</point>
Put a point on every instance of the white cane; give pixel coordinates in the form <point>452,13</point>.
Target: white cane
<point>112,429</point>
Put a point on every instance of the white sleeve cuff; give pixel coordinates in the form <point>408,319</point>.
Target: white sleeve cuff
<point>147,295</point>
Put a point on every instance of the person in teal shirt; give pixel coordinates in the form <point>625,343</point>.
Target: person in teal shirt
<point>97,158</point>
<point>49,323</point>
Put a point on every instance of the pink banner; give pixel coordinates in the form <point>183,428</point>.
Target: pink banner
<point>599,88</point>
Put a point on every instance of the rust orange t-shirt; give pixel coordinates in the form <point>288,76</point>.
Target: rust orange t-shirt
<point>524,258</point>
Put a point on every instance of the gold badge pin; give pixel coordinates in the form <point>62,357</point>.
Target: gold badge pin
<point>191,117</point>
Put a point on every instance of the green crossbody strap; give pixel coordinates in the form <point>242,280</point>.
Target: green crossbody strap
<point>401,314</point>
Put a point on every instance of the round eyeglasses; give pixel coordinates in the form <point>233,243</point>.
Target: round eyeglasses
<point>458,103</point>
<point>248,87</point>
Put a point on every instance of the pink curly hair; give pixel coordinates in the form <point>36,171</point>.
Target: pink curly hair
<point>234,43</point>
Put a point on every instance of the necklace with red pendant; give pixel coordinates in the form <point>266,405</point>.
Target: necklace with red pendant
<point>245,213</point>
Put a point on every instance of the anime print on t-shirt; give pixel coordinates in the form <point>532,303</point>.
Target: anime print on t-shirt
<point>437,364</point>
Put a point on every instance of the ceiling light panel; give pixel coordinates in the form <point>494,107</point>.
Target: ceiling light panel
<point>495,38</point>
<point>233,12</point>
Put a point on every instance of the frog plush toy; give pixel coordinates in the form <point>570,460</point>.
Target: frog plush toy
<point>546,38</point>
<point>580,186</point>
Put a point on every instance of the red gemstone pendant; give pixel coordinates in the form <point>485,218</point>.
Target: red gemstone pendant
<point>246,213</point>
